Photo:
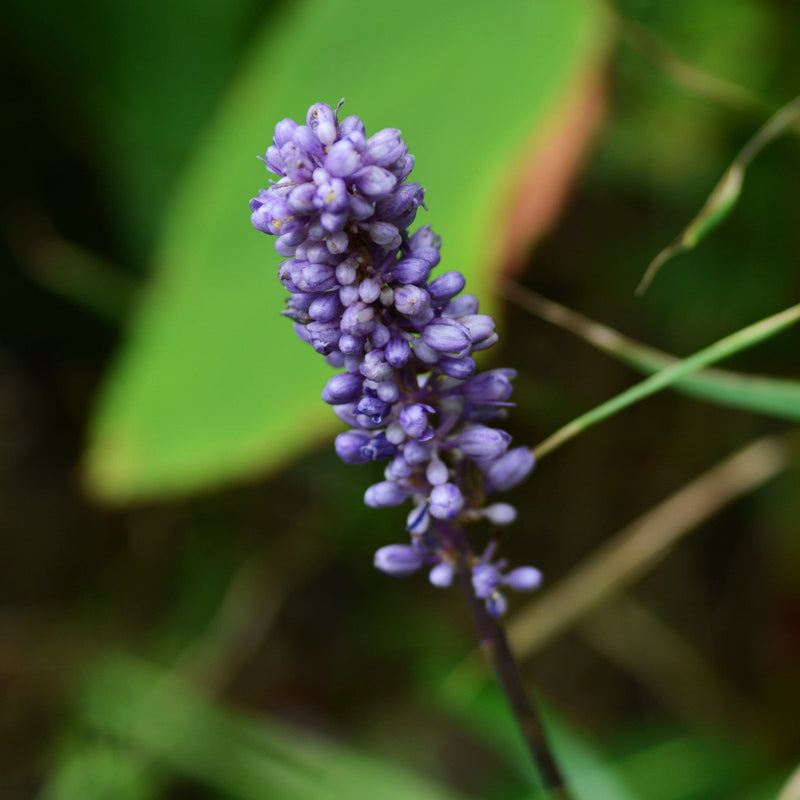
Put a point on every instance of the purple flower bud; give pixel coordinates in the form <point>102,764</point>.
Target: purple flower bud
<point>496,605</point>
<point>398,469</point>
<point>411,270</point>
<point>321,118</point>
<point>427,355</point>
<point>397,351</point>
<point>283,131</point>
<point>436,472</point>
<point>398,560</point>
<point>418,520</point>
<point>510,469</point>
<point>378,448</point>
<point>385,494</point>
<point>388,391</point>
<point>411,300</point>
<point>401,205</point>
<point>447,336</point>
<point>488,387</point>
<point>442,574</point>
<point>480,326</point>
<point>485,579</point>
<point>348,295</point>
<point>424,238</point>
<point>351,125</point>
<point>500,513</point>
<point>380,335</point>
<point>523,579</point>
<point>414,420</point>
<point>361,207</point>
<point>351,345</point>
<point>373,407</point>
<point>416,452</point>
<point>324,336</point>
<point>342,159</point>
<point>375,368</point>
<point>460,368</point>
<point>301,199</point>
<point>337,242</point>
<point>384,233</point>
<point>314,277</point>
<point>384,148</point>
<point>446,286</point>
<point>346,272</point>
<point>446,501</point>
<point>481,442</point>
<point>307,141</point>
<point>461,306</point>
<point>349,445</point>
<point>342,388</point>
<point>331,222</point>
<point>374,181</point>
<point>325,307</point>
<point>369,290</point>
<point>332,196</point>
<point>358,319</point>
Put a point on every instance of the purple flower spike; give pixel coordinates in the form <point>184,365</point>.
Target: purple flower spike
<point>398,560</point>
<point>361,294</point>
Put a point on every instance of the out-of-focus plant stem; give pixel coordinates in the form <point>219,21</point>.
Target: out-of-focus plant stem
<point>494,646</point>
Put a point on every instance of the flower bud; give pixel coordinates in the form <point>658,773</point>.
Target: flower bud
<point>398,560</point>
<point>446,501</point>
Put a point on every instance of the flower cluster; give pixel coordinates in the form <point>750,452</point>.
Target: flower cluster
<point>361,295</point>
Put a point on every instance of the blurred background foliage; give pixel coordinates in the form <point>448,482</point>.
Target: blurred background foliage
<point>189,607</point>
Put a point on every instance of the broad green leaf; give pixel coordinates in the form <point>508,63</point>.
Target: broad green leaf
<point>728,346</point>
<point>726,193</point>
<point>211,384</point>
<point>169,724</point>
<point>778,397</point>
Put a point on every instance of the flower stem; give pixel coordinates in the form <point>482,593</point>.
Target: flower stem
<point>494,646</point>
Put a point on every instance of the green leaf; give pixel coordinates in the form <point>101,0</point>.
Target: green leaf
<point>725,194</point>
<point>741,340</point>
<point>169,724</point>
<point>211,384</point>
<point>778,397</point>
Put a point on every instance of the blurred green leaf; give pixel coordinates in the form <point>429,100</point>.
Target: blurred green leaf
<point>726,193</point>
<point>741,340</point>
<point>778,397</point>
<point>212,384</point>
<point>172,725</point>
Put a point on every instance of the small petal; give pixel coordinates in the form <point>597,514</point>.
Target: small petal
<point>500,513</point>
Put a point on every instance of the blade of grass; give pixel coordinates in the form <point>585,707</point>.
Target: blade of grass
<point>777,397</point>
<point>725,194</point>
<point>628,555</point>
<point>633,551</point>
<point>734,343</point>
<point>791,790</point>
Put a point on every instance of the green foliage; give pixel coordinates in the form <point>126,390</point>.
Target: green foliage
<point>208,386</point>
